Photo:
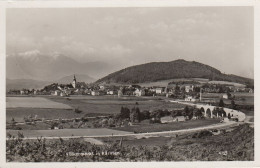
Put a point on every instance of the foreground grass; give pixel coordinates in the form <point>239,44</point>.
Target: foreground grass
<point>146,127</point>
<point>237,145</point>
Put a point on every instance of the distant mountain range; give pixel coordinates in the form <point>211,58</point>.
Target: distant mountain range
<point>51,67</point>
<point>38,71</point>
<point>38,84</point>
<point>156,71</point>
<point>79,77</point>
<point>25,84</point>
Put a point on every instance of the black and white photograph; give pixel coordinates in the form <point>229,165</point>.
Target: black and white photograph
<point>129,84</point>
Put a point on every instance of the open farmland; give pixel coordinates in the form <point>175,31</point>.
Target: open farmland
<point>112,104</point>
<point>88,105</point>
<point>19,113</point>
<point>68,132</point>
<point>33,102</point>
<point>227,83</point>
<point>240,98</point>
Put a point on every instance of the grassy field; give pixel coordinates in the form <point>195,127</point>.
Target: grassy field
<point>19,113</point>
<point>227,83</point>
<point>67,132</point>
<point>164,83</point>
<point>146,127</point>
<point>88,105</point>
<point>112,105</point>
<point>33,102</point>
<point>240,98</point>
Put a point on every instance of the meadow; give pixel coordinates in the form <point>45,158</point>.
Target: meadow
<point>89,106</point>
<point>112,105</point>
<point>33,102</point>
<point>67,132</point>
<point>240,98</point>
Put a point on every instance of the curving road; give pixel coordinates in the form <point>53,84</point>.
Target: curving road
<point>114,133</point>
<point>103,132</point>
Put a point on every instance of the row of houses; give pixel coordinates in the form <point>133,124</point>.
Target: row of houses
<point>187,91</point>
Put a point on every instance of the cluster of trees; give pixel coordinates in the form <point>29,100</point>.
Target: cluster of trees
<point>232,105</point>
<point>193,82</point>
<point>169,70</point>
<point>188,112</point>
<point>135,115</point>
<point>219,112</point>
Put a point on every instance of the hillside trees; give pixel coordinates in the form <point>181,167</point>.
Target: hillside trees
<point>124,113</point>
<point>233,105</point>
<point>156,71</point>
<point>135,114</point>
<point>221,103</point>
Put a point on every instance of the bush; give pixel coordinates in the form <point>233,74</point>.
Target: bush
<point>202,134</point>
<point>77,110</point>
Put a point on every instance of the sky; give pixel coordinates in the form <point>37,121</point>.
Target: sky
<point>222,37</point>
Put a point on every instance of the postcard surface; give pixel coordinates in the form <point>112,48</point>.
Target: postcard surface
<point>144,83</point>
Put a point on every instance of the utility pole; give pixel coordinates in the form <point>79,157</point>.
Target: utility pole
<point>200,94</point>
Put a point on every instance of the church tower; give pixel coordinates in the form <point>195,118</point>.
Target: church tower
<point>74,82</point>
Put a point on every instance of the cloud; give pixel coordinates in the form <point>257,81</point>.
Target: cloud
<point>204,34</point>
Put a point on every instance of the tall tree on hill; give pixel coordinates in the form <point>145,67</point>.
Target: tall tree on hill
<point>186,111</point>
<point>233,105</point>
<point>124,112</point>
<point>135,114</point>
<point>221,103</point>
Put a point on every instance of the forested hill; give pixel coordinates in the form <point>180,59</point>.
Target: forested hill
<point>156,71</point>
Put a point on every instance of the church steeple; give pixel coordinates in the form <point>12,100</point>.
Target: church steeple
<point>74,78</point>
<point>74,82</point>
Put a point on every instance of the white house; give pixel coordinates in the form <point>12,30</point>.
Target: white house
<point>139,92</point>
<point>226,96</point>
<point>102,87</point>
<point>179,118</point>
<point>57,93</point>
<point>95,93</point>
<point>110,92</point>
<point>189,88</point>
<point>159,90</point>
<point>167,119</point>
<point>190,98</point>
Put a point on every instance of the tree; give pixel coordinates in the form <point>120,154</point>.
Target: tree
<point>135,114</point>
<point>197,113</point>
<point>233,105</point>
<point>221,103</point>
<point>215,112</point>
<point>144,115</point>
<point>229,117</point>
<point>222,112</point>
<point>124,113</point>
<point>185,111</point>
